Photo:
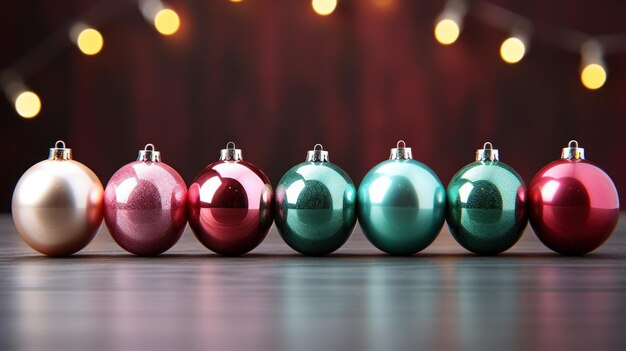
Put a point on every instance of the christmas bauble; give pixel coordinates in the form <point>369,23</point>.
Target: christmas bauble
<point>574,204</point>
<point>145,205</point>
<point>315,204</point>
<point>401,204</point>
<point>57,204</point>
<point>487,210</point>
<point>231,204</point>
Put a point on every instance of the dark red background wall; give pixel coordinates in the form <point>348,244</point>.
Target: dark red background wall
<point>276,78</point>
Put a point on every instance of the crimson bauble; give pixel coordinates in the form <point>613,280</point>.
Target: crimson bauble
<point>231,204</point>
<point>574,205</point>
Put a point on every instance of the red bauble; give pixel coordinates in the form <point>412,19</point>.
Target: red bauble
<point>231,205</point>
<point>574,204</point>
<point>145,205</point>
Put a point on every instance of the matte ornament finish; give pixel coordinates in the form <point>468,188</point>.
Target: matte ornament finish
<point>487,210</point>
<point>146,207</point>
<point>316,208</point>
<point>231,206</point>
<point>57,205</point>
<point>574,206</point>
<point>401,206</point>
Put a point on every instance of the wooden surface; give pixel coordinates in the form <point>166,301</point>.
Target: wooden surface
<point>274,299</point>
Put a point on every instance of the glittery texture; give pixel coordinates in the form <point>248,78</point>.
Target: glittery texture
<point>401,205</point>
<point>574,206</point>
<point>315,208</point>
<point>231,207</point>
<point>57,206</point>
<point>145,207</point>
<point>487,210</point>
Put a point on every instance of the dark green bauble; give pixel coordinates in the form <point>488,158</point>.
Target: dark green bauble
<point>401,204</point>
<point>487,211</point>
<point>315,207</point>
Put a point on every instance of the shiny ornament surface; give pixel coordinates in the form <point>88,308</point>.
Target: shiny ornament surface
<point>57,204</point>
<point>231,205</point>
<point>315,206</point>
<point>401,204</point>
<point>574,204</point>
<point>145,205</point>
<point>487,206</point>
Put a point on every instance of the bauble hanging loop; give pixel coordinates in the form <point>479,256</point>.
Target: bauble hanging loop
<point>57,204</point>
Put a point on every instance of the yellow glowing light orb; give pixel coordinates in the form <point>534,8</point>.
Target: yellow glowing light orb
<point>167,22</point>
<point>27,104</point>
<point>593,76</point>
<point>512,50</point>
<point>236,0</point>
<point>324,7</point>
<point>90,41</point>
<point>447,31</point>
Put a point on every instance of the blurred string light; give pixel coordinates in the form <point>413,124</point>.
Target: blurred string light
<point>27,104</point>
<point>593,71</point>
<point>165,20</point>
<point>324,7</point>
<point>88,39</point>
<point>447,30</point>
<point>513,49</point>
<point>25,101</point>
<point>448,24</point>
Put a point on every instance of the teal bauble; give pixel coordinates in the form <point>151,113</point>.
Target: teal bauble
<point>487,210</point>
<point>315,205</point>
<point>401,204</point>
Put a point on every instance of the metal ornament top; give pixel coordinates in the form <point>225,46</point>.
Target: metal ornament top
<point>317,155</point>
<point>401,152</point>
<point>573,152</point>
<point>59,152</point>
<point>230,153</point>
<point>487,153</point>
<point>149,154</point>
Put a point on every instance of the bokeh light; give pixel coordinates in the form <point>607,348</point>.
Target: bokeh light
<point>27,104</point>
<point>447,31</point>
<point>512,50</point>
<point>324,7</point>
<point>166,21</point>
<point>593,76</point>
<point>90,41</point>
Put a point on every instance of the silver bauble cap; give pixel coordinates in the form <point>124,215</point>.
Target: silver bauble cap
<point>487,153</point>
<point>231,153</point>
<point>317,154</point>
<point>401,152</point>
<point>149,154</point>
<point>572,151</point>
<point>59,152</point>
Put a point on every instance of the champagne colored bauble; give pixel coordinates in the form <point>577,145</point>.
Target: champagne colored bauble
<point>58,204</point>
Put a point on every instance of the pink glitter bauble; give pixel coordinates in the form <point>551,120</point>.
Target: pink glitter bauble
<point>145,205</point>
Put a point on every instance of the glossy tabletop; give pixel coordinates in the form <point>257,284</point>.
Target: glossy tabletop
<point>275,299</point>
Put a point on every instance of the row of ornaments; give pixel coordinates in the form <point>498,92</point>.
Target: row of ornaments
<point>58,204</point>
